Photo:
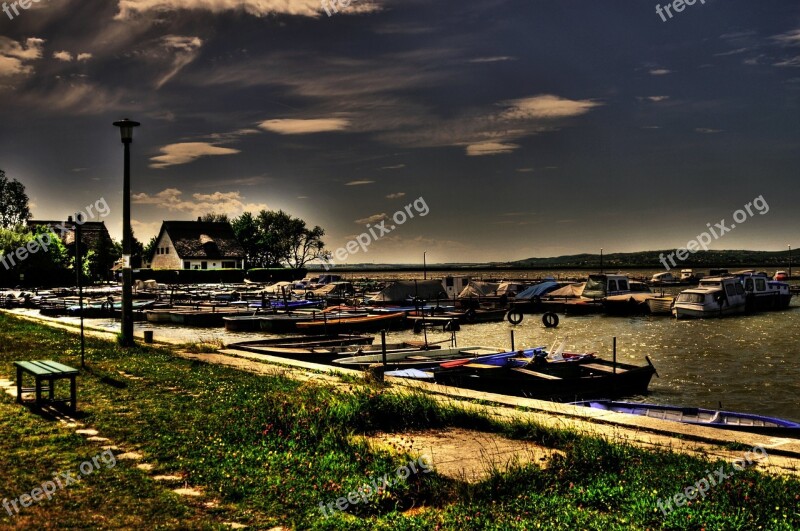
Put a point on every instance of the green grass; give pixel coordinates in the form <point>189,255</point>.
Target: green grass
<point>271,449</point>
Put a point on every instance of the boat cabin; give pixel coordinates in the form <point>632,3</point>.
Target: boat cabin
<point>714,297</point>
<point>602,286</point>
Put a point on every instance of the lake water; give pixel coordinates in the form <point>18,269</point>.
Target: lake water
<point>747,363</point>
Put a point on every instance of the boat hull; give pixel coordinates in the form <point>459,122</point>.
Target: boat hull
<point>727,420</point>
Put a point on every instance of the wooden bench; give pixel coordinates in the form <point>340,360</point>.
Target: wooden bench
<point>50,372</point>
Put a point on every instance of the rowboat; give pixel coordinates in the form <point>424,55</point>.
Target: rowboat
<point>728,420</point>
<point>328,350</point>
<point>407,360</point>
<point>581,376</point>
<point>366,323</point>
<point>286,323</point>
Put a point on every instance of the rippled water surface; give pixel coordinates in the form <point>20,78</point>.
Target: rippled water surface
<point>747,363</point>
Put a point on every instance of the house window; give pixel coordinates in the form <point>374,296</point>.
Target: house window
<point>166,249</point>
<point>228,265</point>
<point>187,265</point>
<point>203,265</point>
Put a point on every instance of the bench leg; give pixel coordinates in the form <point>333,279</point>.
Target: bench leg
<point>38,391</point>
<point>51,389</point>
<point>73,394</point>
<point>19,385</point>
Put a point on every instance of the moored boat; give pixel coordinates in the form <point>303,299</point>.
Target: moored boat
<point>344,324</point>
<point>713,418</point>
<point>714,297</point>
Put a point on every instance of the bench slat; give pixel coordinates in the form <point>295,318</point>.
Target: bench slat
<point>33,368</point>
<point>59,367</point>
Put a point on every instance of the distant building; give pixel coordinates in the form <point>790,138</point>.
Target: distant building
<point>197,245</point>
<point>94,237</point>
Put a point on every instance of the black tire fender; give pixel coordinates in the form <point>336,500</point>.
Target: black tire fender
<point>550,320</point>
<point>514,316</point>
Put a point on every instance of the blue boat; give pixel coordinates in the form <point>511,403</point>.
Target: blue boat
<point>727,420</point>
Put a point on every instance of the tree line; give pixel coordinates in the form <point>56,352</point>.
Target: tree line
<point>270,239</point>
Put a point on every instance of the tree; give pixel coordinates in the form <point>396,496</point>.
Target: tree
<point>275,239</point>
<point>213,217</point>
<point>14,209</point>
<point>150,248</point>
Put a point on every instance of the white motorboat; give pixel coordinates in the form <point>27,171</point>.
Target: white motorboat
<point>714,297</point>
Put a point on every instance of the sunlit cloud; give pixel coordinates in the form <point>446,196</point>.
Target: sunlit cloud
<point>490,148</point>
<point>304,127</point>
<point>171,199</point>
<point>358,183</point>
<point>186,152</point>
<point>547,106</point>
<point>14,55</point>
<point>63,55</point>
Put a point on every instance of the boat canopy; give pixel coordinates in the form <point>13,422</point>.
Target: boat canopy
<point>402,291</point>
<point>538,290</point>
<point>478,288</point>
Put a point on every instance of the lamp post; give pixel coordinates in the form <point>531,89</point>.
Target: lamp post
<point>424,266</point>
<point>601,260</point>
<point>126,131</point>
<point>790,262</point>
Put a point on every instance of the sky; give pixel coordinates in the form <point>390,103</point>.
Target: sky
<point>526,128</point>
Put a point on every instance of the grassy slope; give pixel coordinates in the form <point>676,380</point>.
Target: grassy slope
<point>271,449</point>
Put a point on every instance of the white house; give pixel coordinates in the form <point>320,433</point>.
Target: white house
<point>197,245</point>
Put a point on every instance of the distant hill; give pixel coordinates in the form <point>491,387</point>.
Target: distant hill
<point>650,259</point>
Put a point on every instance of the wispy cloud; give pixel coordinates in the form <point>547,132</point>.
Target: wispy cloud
<point>490,148</point>
<point>660,72</point>
<point>493,59</point>
<point>372,219</point>
<point>186,152</point>
<point>546,106</point>
<point>358,183</point>
<point>182,51</point>
<point>707,131</point>
<point>304,127</point>
<point>396,195</point>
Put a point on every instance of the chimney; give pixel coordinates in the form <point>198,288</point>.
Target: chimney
<point>199,219</point>
<point>69,219</point>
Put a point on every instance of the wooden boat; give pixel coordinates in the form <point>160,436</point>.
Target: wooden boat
<point>660,305</point>
<point>367,323</point>
<point>728,420</point>
<point>287,323</point>
<point>204,318</point>
<point>598,377</point>
<point>328,350</point>
<point>407,360</point>
<point>242,323</point>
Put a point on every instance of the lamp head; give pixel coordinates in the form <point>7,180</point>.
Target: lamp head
<point>126,129</point>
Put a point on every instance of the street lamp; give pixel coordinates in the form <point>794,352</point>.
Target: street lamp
<point>126,130</point>
<point>601,260</point>
<point>424,266</point>
<point>790,262</point>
